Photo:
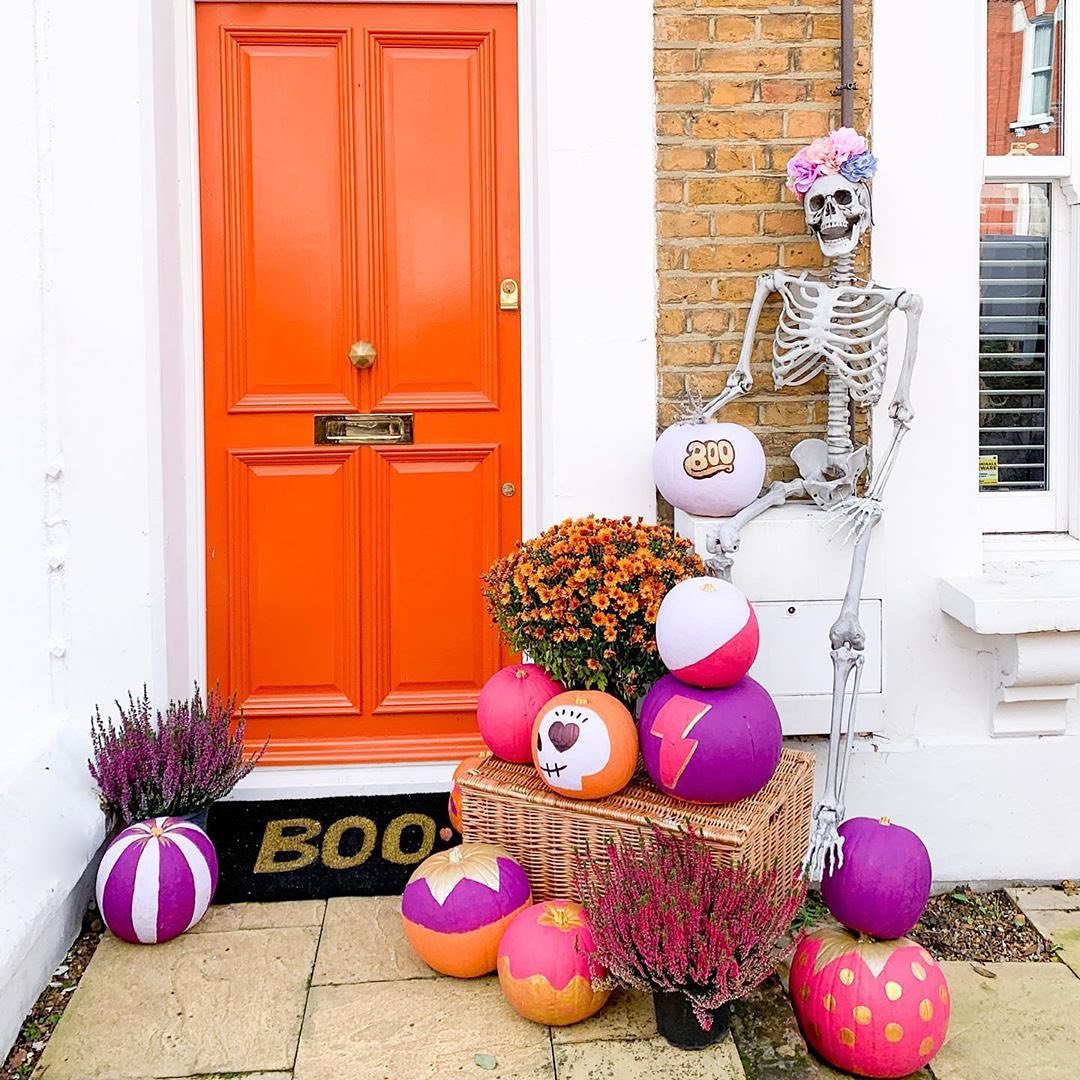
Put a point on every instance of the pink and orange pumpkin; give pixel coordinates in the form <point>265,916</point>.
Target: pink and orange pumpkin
<point>884,883</point>
<point>585,744</point>
<point>454,803</point>
<point>544,964</point>
<point>507,707</point>
<point>710,746</point>
<point>457,905</point>
<point>707,633</point>
<point>872,1008</point>
<point>713,469</point>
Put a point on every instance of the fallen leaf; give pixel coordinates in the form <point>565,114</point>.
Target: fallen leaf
<point>985,972</point>
<point>485,1061</point>
<point>1070,888</point>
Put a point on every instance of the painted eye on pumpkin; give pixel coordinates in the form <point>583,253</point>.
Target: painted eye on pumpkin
<point>539,742</point>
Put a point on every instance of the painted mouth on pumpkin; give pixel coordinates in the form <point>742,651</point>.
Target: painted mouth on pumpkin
<point>552,770</point>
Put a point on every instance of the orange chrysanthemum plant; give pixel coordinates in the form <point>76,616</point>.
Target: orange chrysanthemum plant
<point>581,599</point>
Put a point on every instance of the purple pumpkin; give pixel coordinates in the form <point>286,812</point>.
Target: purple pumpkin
<point>457,904</point>
<point>884,884</point>
<point>710,746</point>
<point>156,880</point>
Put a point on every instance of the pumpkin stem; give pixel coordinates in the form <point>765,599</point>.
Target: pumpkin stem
<point>884,821</point>
<point>454,854</point>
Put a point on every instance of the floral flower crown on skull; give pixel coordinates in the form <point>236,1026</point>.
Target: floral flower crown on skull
<point>844,151</point>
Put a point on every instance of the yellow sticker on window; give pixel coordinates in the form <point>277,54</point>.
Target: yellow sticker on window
<point>988,470</point>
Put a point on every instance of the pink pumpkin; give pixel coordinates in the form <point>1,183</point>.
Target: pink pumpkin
<point>458,904</point>
<point>707,633</point>
<point>544,964</point>
<point>884,882</point>
<point>508,705</point>
<point>872,1008</point>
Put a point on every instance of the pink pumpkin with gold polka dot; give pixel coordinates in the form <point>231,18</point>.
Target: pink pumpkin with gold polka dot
<point>872,1008</point>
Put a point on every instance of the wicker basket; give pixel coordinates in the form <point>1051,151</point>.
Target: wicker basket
<point>510,805</point>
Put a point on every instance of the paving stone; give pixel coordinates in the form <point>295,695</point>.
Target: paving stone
<point>363,941</point>
<point>261,916</point>
<point>222,1002</point>
<point>1023,1023</point>
<point>421,1029</point>
<point>1044,899</point>
<point>646,1059</point>
<point>627,1015</point>
<point>1069,940</point>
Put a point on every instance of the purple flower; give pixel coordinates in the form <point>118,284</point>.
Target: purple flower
<point>858,168</point>
<point>802,172</point>
<point>171,764</point>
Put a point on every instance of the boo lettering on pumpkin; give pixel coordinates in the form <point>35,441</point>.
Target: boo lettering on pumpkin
<point>290,843</point>
<point>705,459</point>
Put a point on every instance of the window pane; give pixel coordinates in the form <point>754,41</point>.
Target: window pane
<point>1024,66</point>
<point>1044,44</point>
<point>1040,93</point>
<point>1014,278</point>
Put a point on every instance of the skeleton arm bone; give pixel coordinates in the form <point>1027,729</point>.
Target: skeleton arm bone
<point>724,540</point>
<point>740,381</point>
<point>900,409</point>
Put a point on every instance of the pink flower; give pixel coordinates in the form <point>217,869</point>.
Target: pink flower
<point>802,172</point>
<point>823,154</point>
<point>847,143</point>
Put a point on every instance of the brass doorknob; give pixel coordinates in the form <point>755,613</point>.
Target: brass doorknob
<point>362,354</point>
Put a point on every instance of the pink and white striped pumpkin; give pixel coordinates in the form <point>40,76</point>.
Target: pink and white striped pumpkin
<point>156,880</point>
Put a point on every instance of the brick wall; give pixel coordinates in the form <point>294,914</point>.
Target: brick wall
<point>740,86</point>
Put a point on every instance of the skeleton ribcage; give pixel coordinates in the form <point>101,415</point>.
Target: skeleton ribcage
<point>839,329</point>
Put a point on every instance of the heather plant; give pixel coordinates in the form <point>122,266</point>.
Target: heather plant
<point>665,917</point>
<point>169,764</point>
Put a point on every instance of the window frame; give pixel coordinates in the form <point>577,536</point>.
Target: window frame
<point>1057,509</point>
<point>1026,117</point>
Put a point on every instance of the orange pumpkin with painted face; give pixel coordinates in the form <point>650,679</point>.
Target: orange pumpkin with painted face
<point>585,744</point>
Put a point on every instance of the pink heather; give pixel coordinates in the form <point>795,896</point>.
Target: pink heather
<point>666,918</point>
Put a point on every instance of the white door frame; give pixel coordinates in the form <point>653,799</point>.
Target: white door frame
<point>173,225</point>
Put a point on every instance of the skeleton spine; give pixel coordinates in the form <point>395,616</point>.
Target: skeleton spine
<point>838,428</point>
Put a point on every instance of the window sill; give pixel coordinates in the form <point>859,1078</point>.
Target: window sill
<point>1031,122</point>
<point>1031,595</point>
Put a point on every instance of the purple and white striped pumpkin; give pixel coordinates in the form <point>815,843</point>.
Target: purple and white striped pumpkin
<point>156,880</point>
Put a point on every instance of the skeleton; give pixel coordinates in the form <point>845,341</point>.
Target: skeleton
<point>837,325</point>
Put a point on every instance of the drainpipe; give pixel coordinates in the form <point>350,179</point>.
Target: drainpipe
<point>847,63</point>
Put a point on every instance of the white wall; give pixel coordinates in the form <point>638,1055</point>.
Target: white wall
<point>596,166</point>
<point>81,543</point>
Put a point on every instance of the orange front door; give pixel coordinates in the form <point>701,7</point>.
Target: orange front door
<point>359,185</point>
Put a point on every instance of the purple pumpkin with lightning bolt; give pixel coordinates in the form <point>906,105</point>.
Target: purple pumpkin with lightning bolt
<point>709,746</point>
<point>884,884</point>
<point>156,880</point>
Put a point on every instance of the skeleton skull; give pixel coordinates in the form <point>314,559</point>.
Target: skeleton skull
<point>837,213</point>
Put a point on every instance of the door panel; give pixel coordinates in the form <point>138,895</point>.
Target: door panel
<point>291,275</point>
<point>359,183</point>
<point>433,190</point>
<point>434,663</point>
<point>295,623</point>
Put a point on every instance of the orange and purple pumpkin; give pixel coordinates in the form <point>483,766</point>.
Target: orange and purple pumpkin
<point>454,804</point>
<point>457,905</point>
<point>872,1008</point>
<point>544,964</point>
<point>585,744</point>
<point>507,707</point>
<point>884,882</point>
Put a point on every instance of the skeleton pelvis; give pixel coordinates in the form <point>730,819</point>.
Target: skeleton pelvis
<point>827,482</point>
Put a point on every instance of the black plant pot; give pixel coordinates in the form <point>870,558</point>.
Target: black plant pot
<point>675,1020</point>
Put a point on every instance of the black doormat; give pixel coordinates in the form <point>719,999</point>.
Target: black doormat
<point>311,849</point>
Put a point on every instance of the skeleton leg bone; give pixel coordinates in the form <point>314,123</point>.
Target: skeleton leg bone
<point>848,644</point>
